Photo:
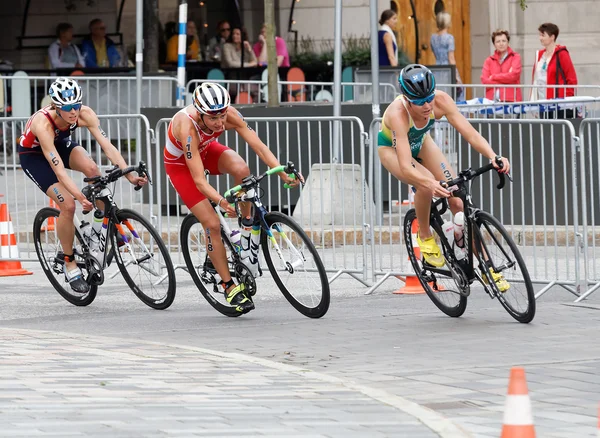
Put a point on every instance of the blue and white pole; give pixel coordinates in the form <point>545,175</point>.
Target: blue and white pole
<point>183,7</point>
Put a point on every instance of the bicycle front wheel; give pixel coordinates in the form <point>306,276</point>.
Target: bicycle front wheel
<point>143,259</point>
<point>437,283</point>
<point>498,255</point>
<point>295,265</point>
<point>50,251</point>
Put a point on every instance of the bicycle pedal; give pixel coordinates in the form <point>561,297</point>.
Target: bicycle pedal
<point>207,277</point>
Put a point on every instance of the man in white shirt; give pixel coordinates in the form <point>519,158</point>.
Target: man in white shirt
<point>63,53</point>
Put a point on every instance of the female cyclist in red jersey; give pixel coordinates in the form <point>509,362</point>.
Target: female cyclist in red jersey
<point>191,148</point>
<point>46,150</point>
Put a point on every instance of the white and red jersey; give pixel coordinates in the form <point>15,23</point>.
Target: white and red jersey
<point>30,141</point>
<point>174,149</point>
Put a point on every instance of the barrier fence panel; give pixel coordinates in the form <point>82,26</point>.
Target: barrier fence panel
<point>328,208</point>
<point>255,91</point>
<point>589,134</point>
<point>105,94</point>
<point>539,209</point>
<point>129,133</point>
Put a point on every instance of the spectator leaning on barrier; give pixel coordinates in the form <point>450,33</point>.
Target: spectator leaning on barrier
<point>192,44</point>
<point>553,66</point>
<point>98,49</point>
<point>215,44</point>
<point>232,50</point>
<point>260,49</point>
<point>503,67</point>
<point>63,53</point>
<point>388,47</point>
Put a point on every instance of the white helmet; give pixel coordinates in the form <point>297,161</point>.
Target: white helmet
<point>211,98</point>
<point>65,91</point>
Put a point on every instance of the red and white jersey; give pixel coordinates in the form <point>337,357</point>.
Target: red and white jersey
<point>174,149</point>
<point>30,141</point>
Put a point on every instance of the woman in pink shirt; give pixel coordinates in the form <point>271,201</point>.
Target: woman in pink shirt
<point>260,49</point>
<point>503,67</point>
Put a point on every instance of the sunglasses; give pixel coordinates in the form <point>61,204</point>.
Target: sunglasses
<point>73,106</point>
<point>423,101</point>
<point>226,29</point>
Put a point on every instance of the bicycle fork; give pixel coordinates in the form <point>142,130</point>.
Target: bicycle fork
<point>290,267</point>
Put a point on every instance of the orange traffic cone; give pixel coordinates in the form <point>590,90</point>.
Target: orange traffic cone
<point>412,285</point>
<point>51,219</point>
<point>518,419</point>
<point>8,246</point>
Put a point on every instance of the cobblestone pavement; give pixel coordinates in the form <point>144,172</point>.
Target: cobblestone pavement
<point>379,365</point>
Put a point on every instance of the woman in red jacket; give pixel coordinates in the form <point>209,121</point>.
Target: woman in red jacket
<point>503,67</point>
<point>553,66</point>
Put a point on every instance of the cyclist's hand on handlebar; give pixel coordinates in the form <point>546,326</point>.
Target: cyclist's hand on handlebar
<point>227,207</point>
<point>137,180</point>
<point>85,203</point>
<point>502,168</point>
<point>291,181</point>
<point>438,189</point>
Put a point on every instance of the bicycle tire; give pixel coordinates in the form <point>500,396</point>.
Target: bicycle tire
<point>526,316</point>
<point>320,309</point>
<point>184,235</point>
<point>40,218</point>
<point>155,302</point>
<point>453,311</point>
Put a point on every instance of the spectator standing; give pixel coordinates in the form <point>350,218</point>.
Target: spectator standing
<point>232,50</point>
<point>215,44</point>
<point>553,66</point>
<point>98,49</point>
<point>503,67</point>
<point>62,53</point>
<point>192,44</point>
<point>260,49</point>
<point>442,45</point>
<point>388,46</point>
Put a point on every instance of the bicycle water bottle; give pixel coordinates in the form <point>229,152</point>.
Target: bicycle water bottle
<point>448,229</point>
<point>236,238</point>
<point>459,234</point>
<point>96,232</point>
<point>85,230</point>
<point>249,242</point>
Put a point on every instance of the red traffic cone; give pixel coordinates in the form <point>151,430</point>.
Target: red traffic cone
<point>8,246</point>
<point>518,419</point>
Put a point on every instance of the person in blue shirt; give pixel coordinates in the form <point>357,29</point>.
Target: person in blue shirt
<point>99,50</point>
<point>388,46</point>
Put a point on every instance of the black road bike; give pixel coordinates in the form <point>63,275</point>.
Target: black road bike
<point>126,237</point>
<point>487,241</point>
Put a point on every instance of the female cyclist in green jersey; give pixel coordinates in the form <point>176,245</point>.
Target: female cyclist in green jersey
<point>409,153</point>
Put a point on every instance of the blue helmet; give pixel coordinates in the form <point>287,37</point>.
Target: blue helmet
<point>416,81</point>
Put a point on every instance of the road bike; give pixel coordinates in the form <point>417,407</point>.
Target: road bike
<point>290,255</point>
<point>126,237</point>
<point>486,241</point>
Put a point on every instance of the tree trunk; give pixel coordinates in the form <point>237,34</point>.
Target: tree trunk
<point>151,24</point>
<point>271,54</point>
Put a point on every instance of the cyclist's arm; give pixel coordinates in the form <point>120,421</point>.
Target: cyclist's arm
<point>399,129</point>
<point>186,133</point>
<point>45,134</point>
<point>462,125</point>
<point>237,122</point>
<point>89,120</point>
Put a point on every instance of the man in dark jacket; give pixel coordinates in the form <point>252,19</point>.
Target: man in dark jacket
<point>98,49</point>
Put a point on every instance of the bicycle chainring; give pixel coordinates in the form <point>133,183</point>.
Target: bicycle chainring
<point>243,275</point>
<point>95,273</point>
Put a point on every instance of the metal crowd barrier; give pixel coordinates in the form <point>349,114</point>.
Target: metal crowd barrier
<point>129,133</point>
<point>357,92</point>
<point>105,94</point>
<point>589,134</point>
<point>327,208</point>
<point>540,208</point>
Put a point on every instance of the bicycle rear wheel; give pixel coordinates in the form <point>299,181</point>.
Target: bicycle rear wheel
<point>300,274</point>
<point>193,247</point>
<point>497,250</point>
<point>143,260</point>
<point>439,284</point>
<point>49,251</point>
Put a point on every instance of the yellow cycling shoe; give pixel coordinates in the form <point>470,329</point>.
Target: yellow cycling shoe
<point>501,282</point>
<point>431,252</point>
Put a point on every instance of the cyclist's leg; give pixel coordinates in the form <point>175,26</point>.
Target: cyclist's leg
<point>436,162</point>
<point>80,161</point>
